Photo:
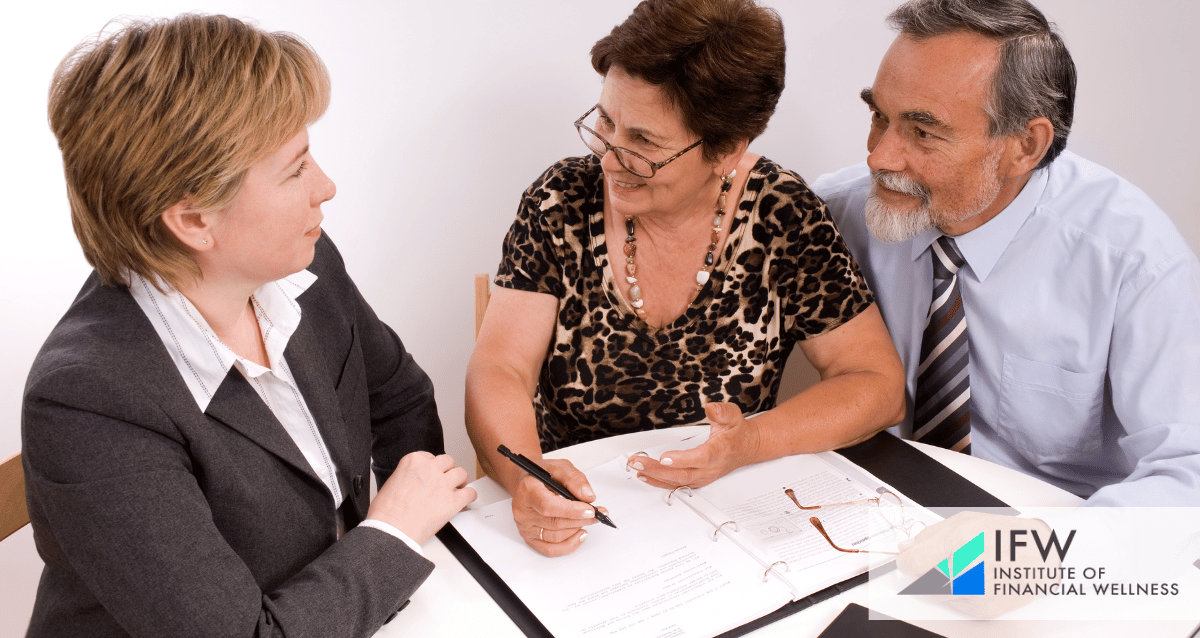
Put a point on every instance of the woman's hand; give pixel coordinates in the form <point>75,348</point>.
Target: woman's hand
<point>549,523</point>
<point>732,442</point>
<point>422,494</point>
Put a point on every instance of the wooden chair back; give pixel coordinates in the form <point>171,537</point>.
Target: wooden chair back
<point>483,294</point>
<point>13,514</point>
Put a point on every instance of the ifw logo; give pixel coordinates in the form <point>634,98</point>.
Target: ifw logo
<point>961,573</point>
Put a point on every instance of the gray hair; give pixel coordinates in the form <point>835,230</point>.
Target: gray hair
<point>1036,75</point>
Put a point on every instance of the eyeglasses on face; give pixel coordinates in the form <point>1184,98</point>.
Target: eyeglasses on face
<point>632,161</point>
<point>889,506</point>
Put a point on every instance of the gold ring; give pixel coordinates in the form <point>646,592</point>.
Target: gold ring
<point>540,530</point>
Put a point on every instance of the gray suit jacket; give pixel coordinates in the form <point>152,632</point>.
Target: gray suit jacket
<point>155,519</point>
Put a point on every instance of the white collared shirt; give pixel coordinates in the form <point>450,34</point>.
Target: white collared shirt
<point>203,361</point>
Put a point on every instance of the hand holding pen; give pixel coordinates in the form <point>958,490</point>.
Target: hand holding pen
<point>550,523</point>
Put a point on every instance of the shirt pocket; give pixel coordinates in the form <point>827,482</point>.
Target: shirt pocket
<point>1051,414</point>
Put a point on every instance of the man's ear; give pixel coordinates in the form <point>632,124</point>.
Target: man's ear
<point>190,227</point>
<point>1031,146</point>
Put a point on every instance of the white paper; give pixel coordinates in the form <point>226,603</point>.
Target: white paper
<point>661,574</point>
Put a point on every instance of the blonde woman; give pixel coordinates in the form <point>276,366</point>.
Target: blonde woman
<point>199,427</point>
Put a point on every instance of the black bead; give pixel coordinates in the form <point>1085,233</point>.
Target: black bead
<point>708,259</point>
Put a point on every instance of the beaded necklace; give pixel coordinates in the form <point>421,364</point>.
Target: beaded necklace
<point>635,291</point>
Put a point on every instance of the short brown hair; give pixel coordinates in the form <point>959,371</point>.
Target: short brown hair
<point>163,110</point>
<point>720,62</point>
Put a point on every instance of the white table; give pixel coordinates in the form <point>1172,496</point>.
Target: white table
<point>452,603</point>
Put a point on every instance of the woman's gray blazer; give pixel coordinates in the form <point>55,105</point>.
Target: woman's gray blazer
<point>157,520</point>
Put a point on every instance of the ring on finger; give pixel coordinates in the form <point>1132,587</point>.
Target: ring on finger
<point>540,530</point>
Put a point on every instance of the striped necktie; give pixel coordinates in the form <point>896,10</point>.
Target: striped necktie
<point>943,402</point>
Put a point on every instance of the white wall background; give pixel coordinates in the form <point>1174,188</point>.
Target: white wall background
<point>443,112</point>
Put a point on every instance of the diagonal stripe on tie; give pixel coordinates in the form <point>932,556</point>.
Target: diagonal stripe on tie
<point>952,406</point>
<point>942,414</point>
<point>939,383</point>
<point>943,344</point>
<point>955,428</point>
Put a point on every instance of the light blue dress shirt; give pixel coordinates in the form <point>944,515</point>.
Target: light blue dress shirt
<point>1083,314</point>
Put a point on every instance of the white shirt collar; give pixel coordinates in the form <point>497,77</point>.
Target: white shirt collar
<point>201,358</point>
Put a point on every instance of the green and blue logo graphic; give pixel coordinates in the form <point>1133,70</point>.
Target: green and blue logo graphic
<point>962,573</point>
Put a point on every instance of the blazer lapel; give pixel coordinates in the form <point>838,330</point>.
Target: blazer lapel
<point>237,405</point>
<point>316,385</point>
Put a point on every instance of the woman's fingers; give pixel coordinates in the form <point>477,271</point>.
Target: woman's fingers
<point>549,523</point>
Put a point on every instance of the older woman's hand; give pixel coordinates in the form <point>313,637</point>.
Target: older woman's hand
<point>549,523</point>
<point>732,442</point>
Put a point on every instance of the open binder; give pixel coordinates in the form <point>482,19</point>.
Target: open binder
<point>655,575</point>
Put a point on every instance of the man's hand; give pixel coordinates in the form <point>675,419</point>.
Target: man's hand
<point>732,443</point>
<point>938,542</point>
<point>549,523</point>
<point>422,494</point>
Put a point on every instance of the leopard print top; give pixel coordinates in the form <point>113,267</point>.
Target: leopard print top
<point>784,275</point>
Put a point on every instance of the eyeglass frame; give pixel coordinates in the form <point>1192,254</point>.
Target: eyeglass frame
<point>816,522</point>
<point>654,166</point>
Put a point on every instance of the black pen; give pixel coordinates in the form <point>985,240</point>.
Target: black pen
<point>538,473</point>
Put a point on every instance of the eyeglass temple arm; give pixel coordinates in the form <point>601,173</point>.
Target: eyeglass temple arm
<point>792,495</point>
<point>816,522</point>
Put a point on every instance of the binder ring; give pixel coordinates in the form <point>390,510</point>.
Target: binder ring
<point>718,530</point>
<point>778,562</point>
<point>672,492</point>
<point>638,453</point>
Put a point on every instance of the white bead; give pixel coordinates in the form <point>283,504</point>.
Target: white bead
<point>637,303</point>
<point>702,277</point>
<point>635,293</point>
<point>632,280</point>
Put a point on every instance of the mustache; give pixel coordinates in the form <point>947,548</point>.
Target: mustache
<point>900,183</point>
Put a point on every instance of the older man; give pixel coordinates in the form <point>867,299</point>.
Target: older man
<point>1046,311</point>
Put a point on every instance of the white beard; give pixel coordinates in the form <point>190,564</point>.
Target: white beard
<point>893,224</point>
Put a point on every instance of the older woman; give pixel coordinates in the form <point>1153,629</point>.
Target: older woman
<point>199,427</point>
<point>664,278</point>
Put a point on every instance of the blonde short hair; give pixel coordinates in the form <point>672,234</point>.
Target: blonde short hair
<point>166,110</point>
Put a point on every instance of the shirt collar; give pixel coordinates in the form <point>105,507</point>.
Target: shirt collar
<point>201,358</point>
<point>982,247</point>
